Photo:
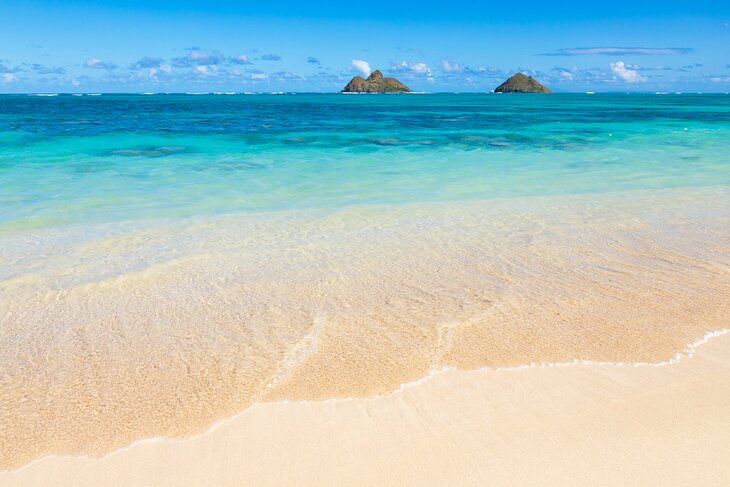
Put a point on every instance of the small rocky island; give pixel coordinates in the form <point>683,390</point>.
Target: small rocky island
<point>376,83</point>
<point>520,83</point>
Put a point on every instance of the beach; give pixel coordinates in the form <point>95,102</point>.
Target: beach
<point>575,424</point>
<point>306,304</point>
<point>316,320</point>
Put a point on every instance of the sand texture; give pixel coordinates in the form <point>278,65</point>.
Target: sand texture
<point>115,334</point>
<point>582,424</point>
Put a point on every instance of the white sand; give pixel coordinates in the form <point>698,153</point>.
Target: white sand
<point>110,335</point>
<point>584,424</point>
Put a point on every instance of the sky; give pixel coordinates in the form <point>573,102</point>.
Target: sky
<point>466,46</point>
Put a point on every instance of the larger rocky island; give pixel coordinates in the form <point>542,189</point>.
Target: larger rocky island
<point>375,83</point>
<point>520,83</point>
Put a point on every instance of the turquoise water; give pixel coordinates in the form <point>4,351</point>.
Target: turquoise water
<point>76,159</point>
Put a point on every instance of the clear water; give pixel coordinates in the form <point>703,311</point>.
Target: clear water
<point>507,233</point>
<point>76,159</point>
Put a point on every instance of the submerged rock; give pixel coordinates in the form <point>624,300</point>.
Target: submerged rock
<point>520,83</point>
<point>376,83</point>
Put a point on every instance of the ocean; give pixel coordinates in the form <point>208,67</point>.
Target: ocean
<point>78,159</point>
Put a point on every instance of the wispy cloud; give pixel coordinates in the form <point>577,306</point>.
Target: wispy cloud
<point>362,66</point>
<point>203,70</point>
<point>5,69</point>
<point>43,69</point>
<point>161,71</point>
<point>458,71</point>
<point>620,51</point>
<point>287,76</point>
<point>313,60</point>
<point>196,57</point>
<point>257,74</point>
<point>95,63</point>
<point>8,77</point>
<point>240,59</point>
<point>147,62</point>
<point>625,72</point>
<point>449,67</point>
<point>564,73</point>
<point>271,57</point>
<point>690,67</point>
<point>412,68</point>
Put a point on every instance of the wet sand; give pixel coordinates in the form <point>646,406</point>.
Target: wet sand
<point>581,424</point>
<point>115,334</point>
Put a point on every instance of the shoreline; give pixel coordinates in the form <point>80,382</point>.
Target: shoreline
<point>164,331</point>
<point>285,214</point>
<point>121,466</point>
<point>686,353</point>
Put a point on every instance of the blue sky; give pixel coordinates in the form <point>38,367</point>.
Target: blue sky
<point>196,45</point>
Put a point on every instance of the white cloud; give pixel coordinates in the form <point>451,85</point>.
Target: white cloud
<point>448,67</point>
<point>418,68</point>
<point>95,63</point>
<point>75,82</point>
<point>565,73</point>
<point>362,66</point>
<point>625,73</point>
<point>164,70</point>
<point>421,68</point>
<point>720,79</point>
<point>9,77</point>
<point>196,57</point>
<point>412,69</point>
<point>147,62</point>
<point>241,59</point>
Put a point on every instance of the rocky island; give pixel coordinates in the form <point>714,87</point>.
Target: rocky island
<point>375,83</point>
<point>520,83</point>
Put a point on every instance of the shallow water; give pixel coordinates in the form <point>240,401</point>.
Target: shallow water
<point>72,159</point>
<point>167,260</point>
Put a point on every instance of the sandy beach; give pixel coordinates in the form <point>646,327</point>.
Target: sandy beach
<point>162,331</point>
<point>165,333</point>
<point>576,424</point>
